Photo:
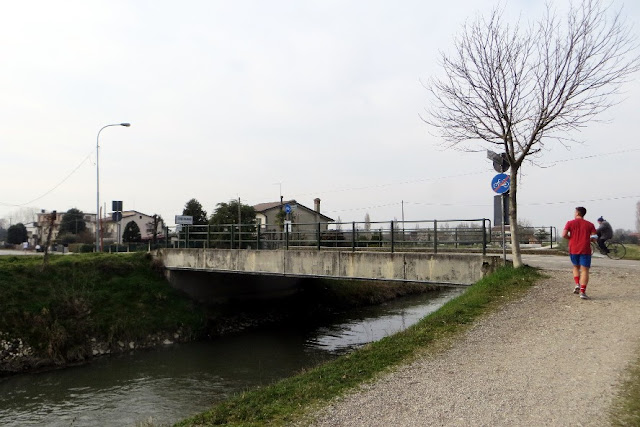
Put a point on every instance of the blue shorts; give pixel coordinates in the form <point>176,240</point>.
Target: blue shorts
<point>582,260</point>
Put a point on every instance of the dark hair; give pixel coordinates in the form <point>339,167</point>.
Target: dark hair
<point>582,211</point>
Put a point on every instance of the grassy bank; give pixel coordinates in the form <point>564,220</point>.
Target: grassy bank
<point>626,408</point>
<point>110,298</point>
<point>633,251</point>
<point>287,400</point>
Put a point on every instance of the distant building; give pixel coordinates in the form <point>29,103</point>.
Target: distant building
<point>144,222</point>
<point>304,220</point>
<point>109,227</point>
<point>41,226</point>
<point>267,214</point>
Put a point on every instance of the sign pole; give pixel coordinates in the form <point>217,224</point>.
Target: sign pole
<point>500,185</point>
<point>504,243</point>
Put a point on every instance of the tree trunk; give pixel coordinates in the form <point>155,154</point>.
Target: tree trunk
<point>513,219</point>
<point>45,260</point>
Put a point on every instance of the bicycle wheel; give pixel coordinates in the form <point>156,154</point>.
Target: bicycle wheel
<point>616,250</point>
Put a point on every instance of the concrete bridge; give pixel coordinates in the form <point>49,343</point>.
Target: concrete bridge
<point>429,268</point>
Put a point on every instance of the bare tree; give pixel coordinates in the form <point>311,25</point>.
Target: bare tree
<point>49,223</point>
<point>23,215</point>
<point>153,227</point>
<point>518,87</point>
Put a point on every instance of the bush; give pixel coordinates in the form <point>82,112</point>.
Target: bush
<point>67,238</point>
<point>81,247</point>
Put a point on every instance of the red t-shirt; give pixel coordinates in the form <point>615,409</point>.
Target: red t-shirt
<point>580,231</point>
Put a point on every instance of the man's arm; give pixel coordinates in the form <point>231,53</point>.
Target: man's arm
<point>565,234</point>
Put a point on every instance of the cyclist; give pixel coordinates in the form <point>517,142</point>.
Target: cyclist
<point>604,232</point>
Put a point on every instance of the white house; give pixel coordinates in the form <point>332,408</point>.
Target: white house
<point>143,221</point>
<point>109,227</point>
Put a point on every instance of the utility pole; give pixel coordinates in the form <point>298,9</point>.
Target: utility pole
<point>403,220</point>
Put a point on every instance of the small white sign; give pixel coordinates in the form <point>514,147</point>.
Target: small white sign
<point>184,219</point>
<point>287,226</point>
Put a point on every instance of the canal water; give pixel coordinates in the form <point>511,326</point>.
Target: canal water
<point>181,380</point>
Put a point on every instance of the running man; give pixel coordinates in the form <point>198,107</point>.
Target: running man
<point>579,231</point>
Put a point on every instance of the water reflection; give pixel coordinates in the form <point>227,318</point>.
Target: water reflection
<point>375,323</point>
<point>178,381</point>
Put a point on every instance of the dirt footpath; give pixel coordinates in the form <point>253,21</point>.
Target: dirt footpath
<point>549,359</point>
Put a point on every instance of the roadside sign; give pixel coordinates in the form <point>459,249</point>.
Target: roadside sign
<point>184,219</point>
<point>116,216</point>
<point>501,183</point>
<point>287,209</point>
<point>287,226</point>
<point>500,162</point>
<point>500,205</point>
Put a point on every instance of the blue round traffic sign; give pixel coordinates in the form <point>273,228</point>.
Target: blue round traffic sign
<point>287,209</point>
<point>501,183</point>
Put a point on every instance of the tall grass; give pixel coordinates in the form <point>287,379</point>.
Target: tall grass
<point>286,400</point>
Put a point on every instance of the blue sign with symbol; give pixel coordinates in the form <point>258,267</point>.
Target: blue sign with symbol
<point>287,209</point>
<point>501,183</point>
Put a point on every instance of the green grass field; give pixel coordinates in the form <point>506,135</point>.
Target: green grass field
<point>633,251</point>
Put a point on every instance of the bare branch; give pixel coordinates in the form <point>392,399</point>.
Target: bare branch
<point>520,87</point>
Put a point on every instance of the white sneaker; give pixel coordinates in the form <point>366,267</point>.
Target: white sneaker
<point>584,296</point>
<point>576,290</point>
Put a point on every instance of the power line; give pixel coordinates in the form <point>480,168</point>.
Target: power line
<point>589,157</point>
<point>561,202</point>
<point>582,200</point>
<point>367,187</point>
<point>390,184</point>
<point>51,189</point>
<point>483,171</point>
<point>551,164</point>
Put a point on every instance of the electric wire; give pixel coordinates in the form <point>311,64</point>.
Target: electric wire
<point>368,187</point>
<point>55,187</point>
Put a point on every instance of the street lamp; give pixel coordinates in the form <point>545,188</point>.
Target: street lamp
<point>98,183</point>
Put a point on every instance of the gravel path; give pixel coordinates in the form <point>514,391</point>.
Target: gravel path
<point>546,359</point>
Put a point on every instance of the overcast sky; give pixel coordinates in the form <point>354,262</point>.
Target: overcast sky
<point>249,98</point>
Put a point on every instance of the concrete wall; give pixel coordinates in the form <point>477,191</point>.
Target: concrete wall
<point>447,268</point>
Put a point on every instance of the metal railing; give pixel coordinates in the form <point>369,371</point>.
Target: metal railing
<point>427,235</point>
<point>394,235</point>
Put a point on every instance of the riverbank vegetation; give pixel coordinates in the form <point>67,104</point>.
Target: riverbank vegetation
<point>87,305</point>
<point>286,400</point>
<point>58,313</point>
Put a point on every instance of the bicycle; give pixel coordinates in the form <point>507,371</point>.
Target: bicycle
<point>616,249</point>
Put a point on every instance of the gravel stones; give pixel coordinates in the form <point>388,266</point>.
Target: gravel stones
<point>549,358</point>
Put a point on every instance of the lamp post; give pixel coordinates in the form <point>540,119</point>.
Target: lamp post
<point>98,182</point>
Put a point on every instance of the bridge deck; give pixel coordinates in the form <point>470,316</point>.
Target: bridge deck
<point>443,269</point>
